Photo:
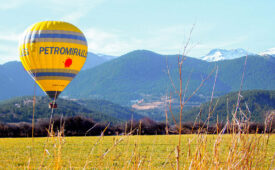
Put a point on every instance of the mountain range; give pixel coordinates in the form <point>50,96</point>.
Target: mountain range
<point>141,75</point>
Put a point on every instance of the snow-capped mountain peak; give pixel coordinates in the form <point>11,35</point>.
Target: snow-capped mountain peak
<point>214,56</point>
<point>222,54</point>
<point>270,52</point>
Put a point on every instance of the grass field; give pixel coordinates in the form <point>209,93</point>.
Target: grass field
<point>138,152</point>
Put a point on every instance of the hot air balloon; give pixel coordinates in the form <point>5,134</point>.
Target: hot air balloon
<point>53,52</point>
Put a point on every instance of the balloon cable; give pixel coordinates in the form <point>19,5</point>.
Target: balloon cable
<point>53,103</point>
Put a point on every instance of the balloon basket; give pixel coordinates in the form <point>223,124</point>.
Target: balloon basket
<point>52,105</point>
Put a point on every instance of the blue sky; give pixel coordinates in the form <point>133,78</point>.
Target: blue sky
<point>116,27</point>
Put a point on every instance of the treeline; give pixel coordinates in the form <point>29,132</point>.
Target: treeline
<point>81,126</point>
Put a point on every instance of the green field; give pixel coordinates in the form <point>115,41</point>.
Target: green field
<point>138,152</point>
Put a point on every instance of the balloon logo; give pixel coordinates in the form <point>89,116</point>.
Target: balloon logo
<point>68,62</point>
<point>53,52</point>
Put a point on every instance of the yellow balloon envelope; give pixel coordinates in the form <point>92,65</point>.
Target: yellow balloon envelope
<point>53,52</point>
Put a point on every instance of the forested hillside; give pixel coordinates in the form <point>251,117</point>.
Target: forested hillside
<point>255,105</point>
<point>21,109</point>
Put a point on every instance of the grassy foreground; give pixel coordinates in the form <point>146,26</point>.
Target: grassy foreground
<point>138,152</point>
